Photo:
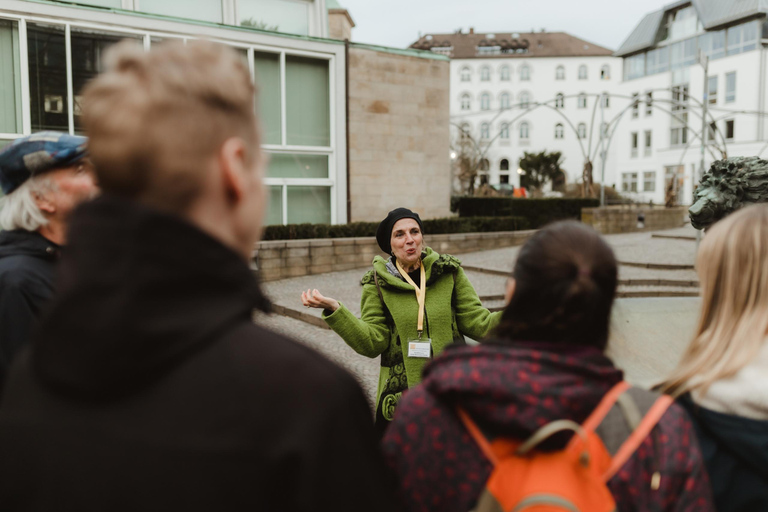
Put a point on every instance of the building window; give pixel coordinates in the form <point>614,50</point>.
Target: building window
<point>49,99</point>
<point>635,105</point>
<point>10,78</point>
<point>559,131</point>
<point>525,100</point>
<point>648,103</point>
<point>485,131</point>
<point>466,74</point>
<point>559,100</point>
<point>730,129</point>
<point>277,15</point>
<point>465,135</point>
<point>205,10</point>
<point>678,136</point>
<point>582,100</point>
<point>648,143</point>
<point>634,66</point>
<point>711,133</point>
<point>606,100</point>
<point>505,131</point>
<point>485,101</point>
<point>307,100</point>
<point>560,73</point>
<point>634,139</point>
<point>504,74</point>
<point>582,72</point>
<point>504,165</point>
<point>605,72</point>
<point>466,103</point>
<point>582,131</point>
<point>485,74</point>
<point>629,182</point>
<point>712,90</point>
<point>649,181</point>
<point>525,73</point>
<point>525,132</point>
<point>730,87</point>
<point>504,100</point>
<point>743,38</point>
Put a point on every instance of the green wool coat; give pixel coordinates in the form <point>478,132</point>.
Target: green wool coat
<point>452,309</point>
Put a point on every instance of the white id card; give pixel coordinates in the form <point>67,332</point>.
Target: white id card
<point>420,348</point>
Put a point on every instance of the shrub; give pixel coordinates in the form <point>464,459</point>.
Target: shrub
<point>431,227</point>
<point>537,212</point>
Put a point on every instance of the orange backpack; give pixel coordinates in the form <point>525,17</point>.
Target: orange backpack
<point>573,479</point>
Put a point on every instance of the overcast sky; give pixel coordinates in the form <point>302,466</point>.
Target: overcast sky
<point>397,23</point>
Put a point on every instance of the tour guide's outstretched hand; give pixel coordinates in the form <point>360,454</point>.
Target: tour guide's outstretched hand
<point>315,299</point>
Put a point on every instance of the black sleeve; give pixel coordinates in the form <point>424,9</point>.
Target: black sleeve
<point>18,314</point>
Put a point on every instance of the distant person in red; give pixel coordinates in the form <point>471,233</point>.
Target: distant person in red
<point>545,364</point>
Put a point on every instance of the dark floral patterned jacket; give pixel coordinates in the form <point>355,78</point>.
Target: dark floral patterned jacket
<point>511,391</point>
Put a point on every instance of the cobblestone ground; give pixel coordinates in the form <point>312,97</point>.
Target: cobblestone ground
<point>345,287</point>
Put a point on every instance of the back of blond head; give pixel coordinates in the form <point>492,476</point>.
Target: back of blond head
<point>733,270</point>
<point>157,119</point>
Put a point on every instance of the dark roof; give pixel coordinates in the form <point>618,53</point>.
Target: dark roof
<point>712,13</point>
<point>536,44</point>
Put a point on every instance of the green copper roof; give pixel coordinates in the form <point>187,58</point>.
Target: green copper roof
<point>332,4</point>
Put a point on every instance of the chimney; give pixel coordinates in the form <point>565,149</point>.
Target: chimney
<point>471,30</point>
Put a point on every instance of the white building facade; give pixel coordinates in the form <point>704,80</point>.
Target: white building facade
<point>49,50</point>
<point>658,143</point>
<point>527,92</point>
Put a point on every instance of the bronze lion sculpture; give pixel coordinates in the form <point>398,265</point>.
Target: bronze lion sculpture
<point>729,184</point>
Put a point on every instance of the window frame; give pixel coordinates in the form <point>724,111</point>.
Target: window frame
<point>149,29</point>
<point>730,95</point>
<point>583,72</point>
<point>525,73</point>
<point>560,72</point>
<point>559,131</point>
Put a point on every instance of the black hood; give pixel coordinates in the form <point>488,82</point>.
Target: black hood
<point>27,243</point>
<point>139,292</point>
<point>744,439</point>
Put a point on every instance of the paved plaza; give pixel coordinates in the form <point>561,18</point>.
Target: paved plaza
<point>651,325</point>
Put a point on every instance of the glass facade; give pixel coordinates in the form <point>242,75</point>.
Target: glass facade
<point>49,99</point>
<point>715,45</point>
<point>291,16</point>
<point>204,10</point>
<point>10,78</point>
<point>294,100</point>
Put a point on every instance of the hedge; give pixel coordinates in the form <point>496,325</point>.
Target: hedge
<point>538,212</point>
<point>431,227</point>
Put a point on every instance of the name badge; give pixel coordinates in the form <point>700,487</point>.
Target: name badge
<point>420,348</point>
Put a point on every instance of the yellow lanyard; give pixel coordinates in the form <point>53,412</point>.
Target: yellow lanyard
<point>421,292</point>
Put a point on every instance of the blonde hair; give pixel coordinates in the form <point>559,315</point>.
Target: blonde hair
<point>155,119</point>
<point>733,269</point>
<point>18,210</point>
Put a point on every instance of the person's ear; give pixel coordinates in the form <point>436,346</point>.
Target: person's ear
<point>44,203</point>
<point>510,291</point>
<point>233,169</point>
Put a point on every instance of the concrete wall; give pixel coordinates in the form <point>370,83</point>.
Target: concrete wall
<point>295,258</point>
<point>399,134</point>
<point>623,219</point>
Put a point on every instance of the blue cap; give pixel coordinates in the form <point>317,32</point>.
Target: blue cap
<point>36,154</point>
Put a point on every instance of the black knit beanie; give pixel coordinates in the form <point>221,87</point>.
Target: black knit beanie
<point>384,231</point>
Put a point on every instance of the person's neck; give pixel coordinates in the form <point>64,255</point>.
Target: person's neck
<point>54,231</point>
<point>412,266</point>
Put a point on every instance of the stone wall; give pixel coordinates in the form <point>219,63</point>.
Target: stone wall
<point>623,219</point>
<point>295,258</point>
<point>399,133</point>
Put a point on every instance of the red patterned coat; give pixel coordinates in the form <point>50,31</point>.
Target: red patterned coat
<point>511,391</point>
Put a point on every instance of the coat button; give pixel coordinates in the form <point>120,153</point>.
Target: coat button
<point>50,250</point>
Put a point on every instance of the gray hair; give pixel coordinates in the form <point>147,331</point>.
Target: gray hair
<point>18,210</point>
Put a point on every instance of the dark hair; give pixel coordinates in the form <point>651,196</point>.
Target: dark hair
<point>565,285</point>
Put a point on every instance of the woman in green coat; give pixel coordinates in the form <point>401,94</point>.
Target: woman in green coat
<point>403,321</point>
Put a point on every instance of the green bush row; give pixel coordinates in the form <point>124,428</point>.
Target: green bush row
<point>538,212</point>
<point>431,227</point>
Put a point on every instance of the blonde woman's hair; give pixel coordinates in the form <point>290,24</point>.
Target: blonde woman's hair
<point>733,269</point>
<point>156,119</point>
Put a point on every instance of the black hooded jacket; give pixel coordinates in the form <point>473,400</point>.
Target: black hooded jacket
<point>149,388</point>
<point>27,261</point>
<point>735,450</point>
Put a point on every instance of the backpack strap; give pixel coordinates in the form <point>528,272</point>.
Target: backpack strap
<point>638,435</point>
<point>478,436</point>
